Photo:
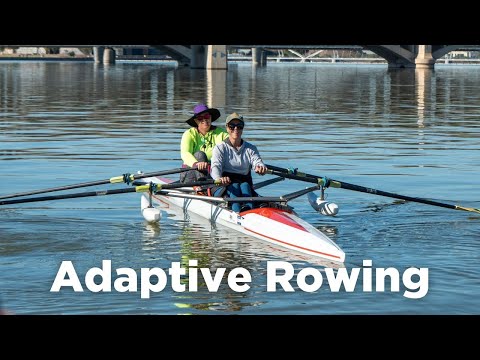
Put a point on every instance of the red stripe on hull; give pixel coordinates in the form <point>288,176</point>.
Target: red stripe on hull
<point>276,215</point>
<point>279,215</point>
<point>295,246</point>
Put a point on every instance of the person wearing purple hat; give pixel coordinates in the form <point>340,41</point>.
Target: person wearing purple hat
<point>198,142</point>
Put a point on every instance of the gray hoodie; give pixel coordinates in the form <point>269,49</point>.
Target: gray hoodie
<point>226,158</point>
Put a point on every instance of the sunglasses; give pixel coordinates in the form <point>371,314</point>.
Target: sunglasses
<point>233,126</point>
<point>204,117</point>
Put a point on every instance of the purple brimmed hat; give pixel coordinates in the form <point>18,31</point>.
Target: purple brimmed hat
<point>202,109</point>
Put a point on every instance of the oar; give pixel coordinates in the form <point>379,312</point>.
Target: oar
<point>126,178</point>
<point>282,199</point>
<point>326,182</point>
<point>267,182</point>
<point>142,188</point>
<point>220,199</point>
<point>299,193</point>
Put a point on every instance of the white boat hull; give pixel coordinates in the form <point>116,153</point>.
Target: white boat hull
<point>276,226</point>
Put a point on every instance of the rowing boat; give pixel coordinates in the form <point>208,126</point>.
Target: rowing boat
<point>225,240</point>
<point>275,223</point>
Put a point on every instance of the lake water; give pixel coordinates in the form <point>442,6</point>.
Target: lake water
<point>410,132</point>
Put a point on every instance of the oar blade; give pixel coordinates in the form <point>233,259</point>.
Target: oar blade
<point>457,207</point>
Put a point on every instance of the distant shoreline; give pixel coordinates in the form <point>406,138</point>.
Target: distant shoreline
<point>121,58</point>
<point>44,58</point>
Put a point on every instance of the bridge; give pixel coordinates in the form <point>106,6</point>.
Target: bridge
<point>216,56</point>
<point>397,56</point>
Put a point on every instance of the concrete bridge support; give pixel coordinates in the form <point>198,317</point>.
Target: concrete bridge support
<point>98,54</point>
<point>102,54</point>
<point>217,57</point>
<point>211,57</point>
<point>109,56</point>
<point>424,58</point>
<point>405,56</point>
<point>259,57</point>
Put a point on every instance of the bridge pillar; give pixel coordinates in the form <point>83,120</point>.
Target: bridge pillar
<point>109,56</point>
<point>98,54</point>
<point>424,58</point>
<point>217,57</point>
<point>198,57</point>
<point>259,57</point>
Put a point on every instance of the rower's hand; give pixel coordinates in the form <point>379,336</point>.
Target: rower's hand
<point>225,180</point>
<point>202,165</point>
<point>261,170</point>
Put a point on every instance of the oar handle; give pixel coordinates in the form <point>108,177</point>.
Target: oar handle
<point>320,181</point>
<point>128,178</point>
<point>292,171</point>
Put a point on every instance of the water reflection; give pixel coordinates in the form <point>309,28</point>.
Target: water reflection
<point>206,245</point>
<point>107,90</point>
<point>217,88</point>
<point>227,305</point>
<point>203,245</point>
<point>425,90</point>
<point>151,236</point>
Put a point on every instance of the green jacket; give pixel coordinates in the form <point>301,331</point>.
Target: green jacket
<point>193,141</point>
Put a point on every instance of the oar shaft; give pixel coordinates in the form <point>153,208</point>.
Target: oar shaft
<point>69,196</point>
<point>141,188</point>
<point>219,199</point>
<point>116,179</point>
<point>299,193</point>
<point>179,194</point>
<point>187,185</point>
<point>256,199</point>
<point>267,182</point>
<point>344,185</point>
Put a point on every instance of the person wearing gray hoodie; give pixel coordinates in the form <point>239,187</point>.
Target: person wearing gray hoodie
<point>232,161</point>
